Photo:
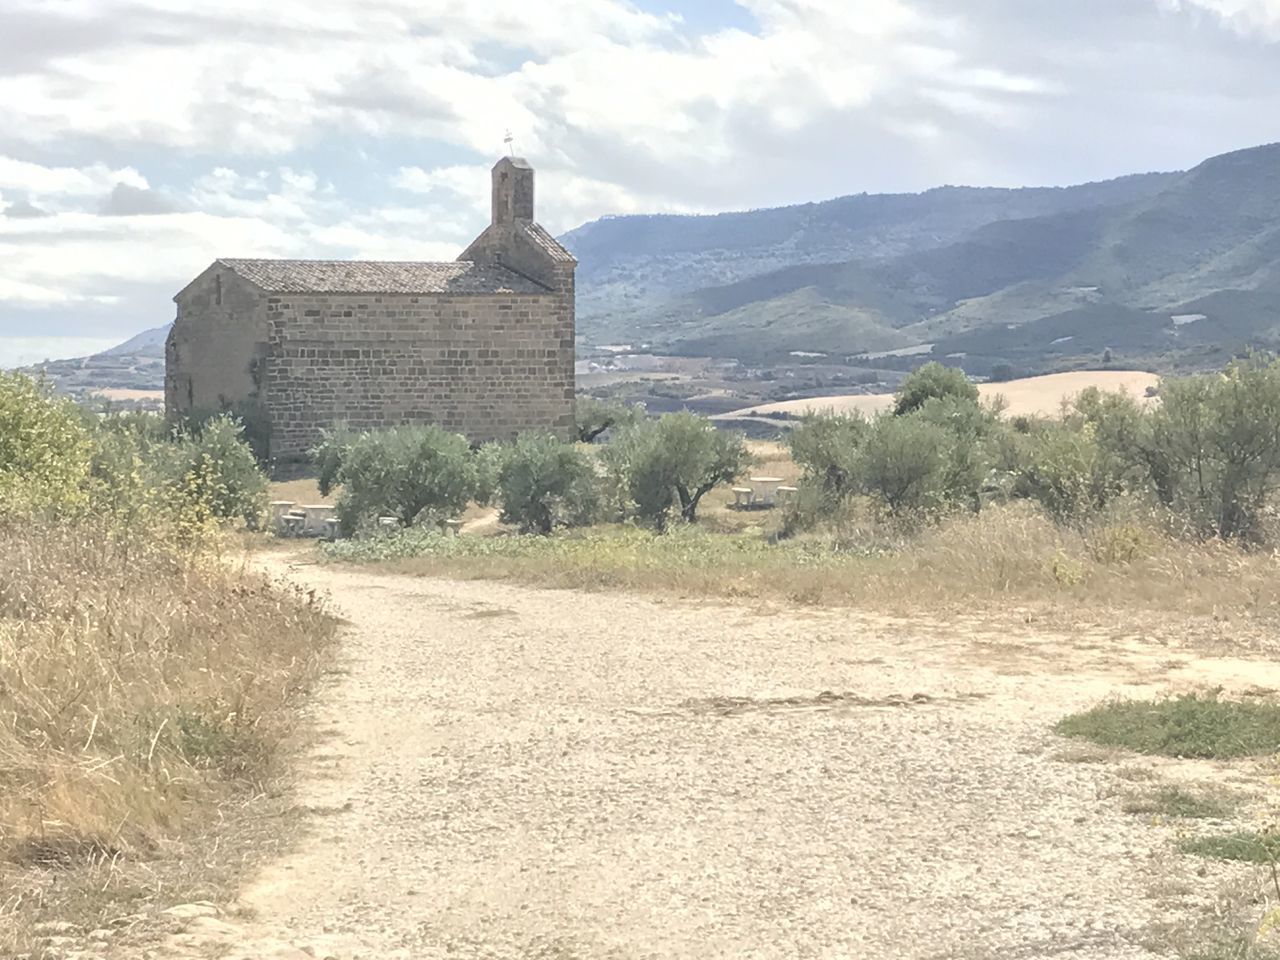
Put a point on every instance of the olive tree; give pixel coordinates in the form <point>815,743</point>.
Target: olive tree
<point>329,453</point>
<point>1218,436</point>
<point>903,464</point>
<point>412,472</point>
<point>1068,472</point>
<point>827,448</point>
<point>678,458</point>
<point>543,482</point>
<point>932,381</point>
<point>593,417</point>
<point>978,447</point>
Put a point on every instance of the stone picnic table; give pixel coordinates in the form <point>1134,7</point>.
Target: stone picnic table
<point>766,492</point>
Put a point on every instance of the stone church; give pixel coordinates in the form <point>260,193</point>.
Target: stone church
<point>483,346</point>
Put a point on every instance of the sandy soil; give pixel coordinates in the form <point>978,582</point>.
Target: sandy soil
<point>1029,397</point>
<point>507,772</point>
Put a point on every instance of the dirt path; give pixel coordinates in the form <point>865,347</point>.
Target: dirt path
<point>515,773</point>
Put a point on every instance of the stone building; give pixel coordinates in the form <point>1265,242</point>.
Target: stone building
<point>483,345</point>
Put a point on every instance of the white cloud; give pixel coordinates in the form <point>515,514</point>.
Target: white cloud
<point>564,199</point>
<point>263,79</point>
<point>281,196</point>
<point>1245,15</point>
<point>221,122</point>
<point>81,257</point>
<point>93,180</point>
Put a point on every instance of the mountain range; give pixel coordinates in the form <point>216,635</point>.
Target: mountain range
<point>1164,270</point>
<point>1168,269</point>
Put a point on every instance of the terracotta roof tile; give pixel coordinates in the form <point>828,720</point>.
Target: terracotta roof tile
<point>538,234</point>
<point>378,276</point>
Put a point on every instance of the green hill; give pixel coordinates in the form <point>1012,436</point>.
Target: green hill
<point>636,264</point>
<point>1110,269</point>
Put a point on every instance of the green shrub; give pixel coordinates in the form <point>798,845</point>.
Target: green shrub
<point>126,467</point>
<point>680,458</point>
<point>489,460</point>
<point>980,446</point>
<point>328,455</point>
<point>904,464</point>
<point>413,472</point>
<point>1185,726</point>
<point>251,415</point>
<point>213,470</point>
<point>1069,473</point>
<point>933,381</point>
<point>544,483</point>
<point>45,449</point>
<point>1216,447</point>
<point>827,449</point>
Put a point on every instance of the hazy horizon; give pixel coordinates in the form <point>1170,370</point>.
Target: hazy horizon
<point>26,351</point>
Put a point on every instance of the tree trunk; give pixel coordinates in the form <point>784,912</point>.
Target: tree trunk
<point>689,502</point>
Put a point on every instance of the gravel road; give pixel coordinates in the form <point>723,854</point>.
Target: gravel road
<point>508,772</point>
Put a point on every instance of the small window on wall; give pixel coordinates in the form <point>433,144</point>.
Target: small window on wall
<point>217,289</point>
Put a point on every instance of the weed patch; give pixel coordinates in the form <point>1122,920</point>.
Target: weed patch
<point>1246,846</point>
<point>1177,802</point>
<point>1187,726</point>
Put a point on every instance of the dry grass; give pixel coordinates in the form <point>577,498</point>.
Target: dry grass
<point>304,491</point>
<point>1005,555</point>
<point>144,698</point>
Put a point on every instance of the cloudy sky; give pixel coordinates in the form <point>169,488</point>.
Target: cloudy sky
<point>139,139</point>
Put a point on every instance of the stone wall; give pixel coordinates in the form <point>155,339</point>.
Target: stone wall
<point>489,366</point>
<point>215,351</point>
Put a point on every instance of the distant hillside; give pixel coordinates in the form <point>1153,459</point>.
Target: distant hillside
<point>135,367</point>
<point>1186,265</point>
<point>637,263</point>
<point>148,343</point>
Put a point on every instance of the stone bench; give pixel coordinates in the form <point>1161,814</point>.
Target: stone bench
<point>742,497</point>
<point>278,509</point>
<point>317,515</point>
<point>450,528</point>
<point>787,495</point>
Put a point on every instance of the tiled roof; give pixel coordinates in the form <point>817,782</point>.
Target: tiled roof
<point>546,241</point>
<point>379,276</point>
